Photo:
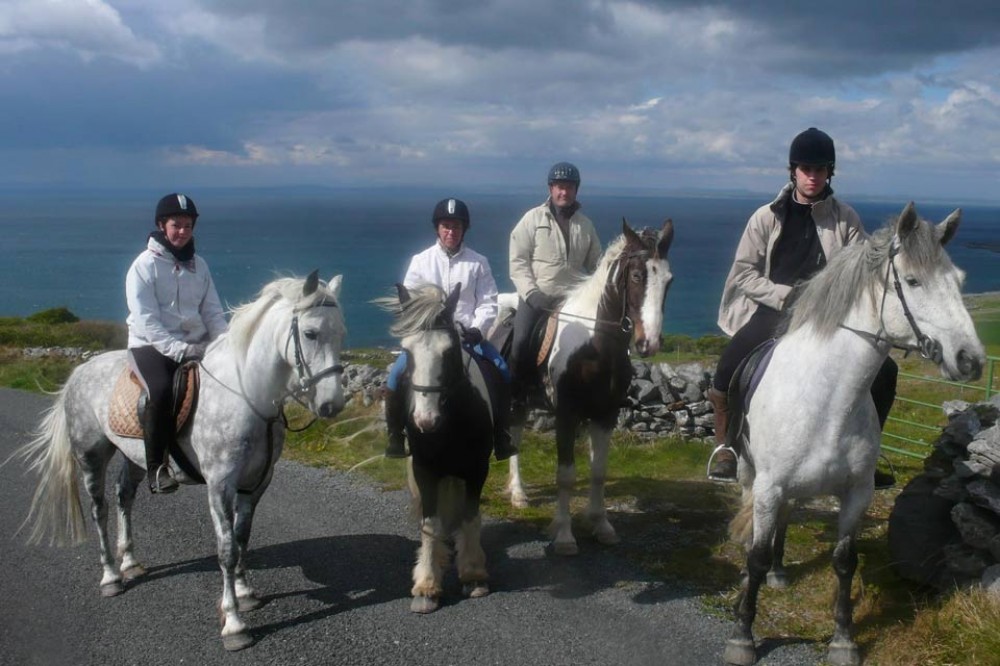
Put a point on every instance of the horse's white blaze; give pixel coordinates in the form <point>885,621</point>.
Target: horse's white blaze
<point>426,352</point>
<point>657,280</point>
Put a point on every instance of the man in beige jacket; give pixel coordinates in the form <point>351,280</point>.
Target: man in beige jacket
<point>551,248</point>
<point>785,242</point>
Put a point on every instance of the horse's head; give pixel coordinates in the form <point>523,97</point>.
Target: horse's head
<point>643,279</point>
<point>427,332</point>
<point>923,302</point>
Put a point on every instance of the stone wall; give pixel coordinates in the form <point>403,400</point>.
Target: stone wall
<point>944,530</point>
<point>663,399</point>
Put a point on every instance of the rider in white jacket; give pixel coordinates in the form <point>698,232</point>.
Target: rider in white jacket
<point>174,312</point>
<point>447,263</point>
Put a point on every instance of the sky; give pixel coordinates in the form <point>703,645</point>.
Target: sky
<point>669,95</point>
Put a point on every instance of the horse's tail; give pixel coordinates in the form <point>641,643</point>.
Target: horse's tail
<point>55,508</point>
<point>741,526</point>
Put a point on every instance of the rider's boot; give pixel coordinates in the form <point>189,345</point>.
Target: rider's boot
<point>723,461</point>
<point>157,437</point>
<point>395,423</point>
<point>503,447</point>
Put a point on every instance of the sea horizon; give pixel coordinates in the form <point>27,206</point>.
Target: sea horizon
<point>72,247</point>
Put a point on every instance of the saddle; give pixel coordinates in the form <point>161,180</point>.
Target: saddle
<point>744,383</point>
<point>128,400</point>
<point>542,337</point>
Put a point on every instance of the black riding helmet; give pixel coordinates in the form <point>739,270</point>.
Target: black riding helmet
<point>451,209</point>
<point>812,147</point>
<point>564,171</point>
<point>176,204</point>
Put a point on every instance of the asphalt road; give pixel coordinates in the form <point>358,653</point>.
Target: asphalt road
<point>332,557</point>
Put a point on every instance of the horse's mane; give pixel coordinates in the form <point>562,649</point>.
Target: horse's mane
<point>420,313</point>
<point>856,270</point>
<point>590,288</point>
<point>247,317</point>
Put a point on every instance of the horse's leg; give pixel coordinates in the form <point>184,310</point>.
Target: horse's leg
<point>129,478</point>
<point>518,498</point>
<point>246,505</point>
<point>843,650</point>
<point>221,500</point>
<point>740,648</point>
<point>432,556</point>
<point>600,442</point>
<point>470,556</point>
<point>94,464</point>
<point>777,577</point>
<point>562,523</point>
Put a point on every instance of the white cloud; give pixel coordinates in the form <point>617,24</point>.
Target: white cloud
<point>87,28</point>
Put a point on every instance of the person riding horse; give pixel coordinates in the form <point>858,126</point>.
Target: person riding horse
<point>785,243</point>
<point>448,263</point>
<point>551,247</point>
<point>174,312</point>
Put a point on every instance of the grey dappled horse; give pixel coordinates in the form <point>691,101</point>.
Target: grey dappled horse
<point>287,343</point>
<point>898,289</point>
<point>589,369</point>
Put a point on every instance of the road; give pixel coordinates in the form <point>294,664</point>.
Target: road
<point>331,557</point>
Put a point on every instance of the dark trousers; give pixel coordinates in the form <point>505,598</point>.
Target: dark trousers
<point>762,326</point>
<point>157,374</point>
<point>522,360</point>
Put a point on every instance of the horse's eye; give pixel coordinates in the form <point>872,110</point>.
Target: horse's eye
<point>311,335</point>
<point>913,282</point>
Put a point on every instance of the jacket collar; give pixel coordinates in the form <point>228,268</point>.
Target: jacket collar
<point>780,203</point>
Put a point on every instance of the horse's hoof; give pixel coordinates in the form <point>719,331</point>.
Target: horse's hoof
<point>476,589</point>
<point>424,604</point>
<point>565,548</point>
<point>739,652</point>
<point>844,654</point>
<point>519,501</point>
<point>133,572</point>
<point>237,641</point>
<point>607,537</point>
<point>112,589</point>
<point>248,603</point>
<point>777,579</point>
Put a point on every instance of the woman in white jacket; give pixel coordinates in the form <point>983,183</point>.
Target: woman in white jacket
<point>174,312</point>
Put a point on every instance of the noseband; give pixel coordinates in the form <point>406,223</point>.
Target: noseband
<point>307,380</point>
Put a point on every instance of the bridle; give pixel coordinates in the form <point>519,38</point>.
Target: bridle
<point>446,387</point>
<point>624,324</point>
<point>926,346</point>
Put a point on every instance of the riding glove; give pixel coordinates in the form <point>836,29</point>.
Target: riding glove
<point>540,301</point>
<point>195,352</point>
<point>472,336</point>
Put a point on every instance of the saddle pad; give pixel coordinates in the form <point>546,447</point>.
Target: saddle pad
<point>123,410</point>
<point>547,338</point>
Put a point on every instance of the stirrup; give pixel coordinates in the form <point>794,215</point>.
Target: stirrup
<point>711,459</point>
<point>163,482</point>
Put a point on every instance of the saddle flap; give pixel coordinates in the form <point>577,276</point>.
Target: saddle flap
<point>123,408</point>
<point>544,336</point>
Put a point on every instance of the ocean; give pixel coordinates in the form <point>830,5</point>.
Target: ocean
<point>73,249</point>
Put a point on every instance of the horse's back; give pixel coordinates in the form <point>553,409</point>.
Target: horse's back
<point>87,395</point>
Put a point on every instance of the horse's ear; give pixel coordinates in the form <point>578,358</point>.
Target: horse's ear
<point>946,230</point>
<point>311,284</point>
<point>666,238</point>
<point>451,302</point>
<point>334,285</point>
<point>403,293</point>
<point>907,221</point>
<point>630,236</point>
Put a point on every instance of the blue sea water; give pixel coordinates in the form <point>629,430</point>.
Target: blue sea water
<point>72,249</point>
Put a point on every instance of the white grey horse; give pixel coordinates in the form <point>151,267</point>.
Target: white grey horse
<point>812,426</point>
<point>286,343</point>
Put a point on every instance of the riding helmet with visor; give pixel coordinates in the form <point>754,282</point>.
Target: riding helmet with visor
<point>451,209</point>
<point>812,147</point>
<point>176,204</point>
<point>564,172</point>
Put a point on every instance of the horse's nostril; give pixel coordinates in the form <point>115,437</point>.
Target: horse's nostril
<point>969,365</point>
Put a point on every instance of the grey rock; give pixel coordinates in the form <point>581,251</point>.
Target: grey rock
<point>985,494</point>
<point>977,526</point>
<point>991,581</point>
